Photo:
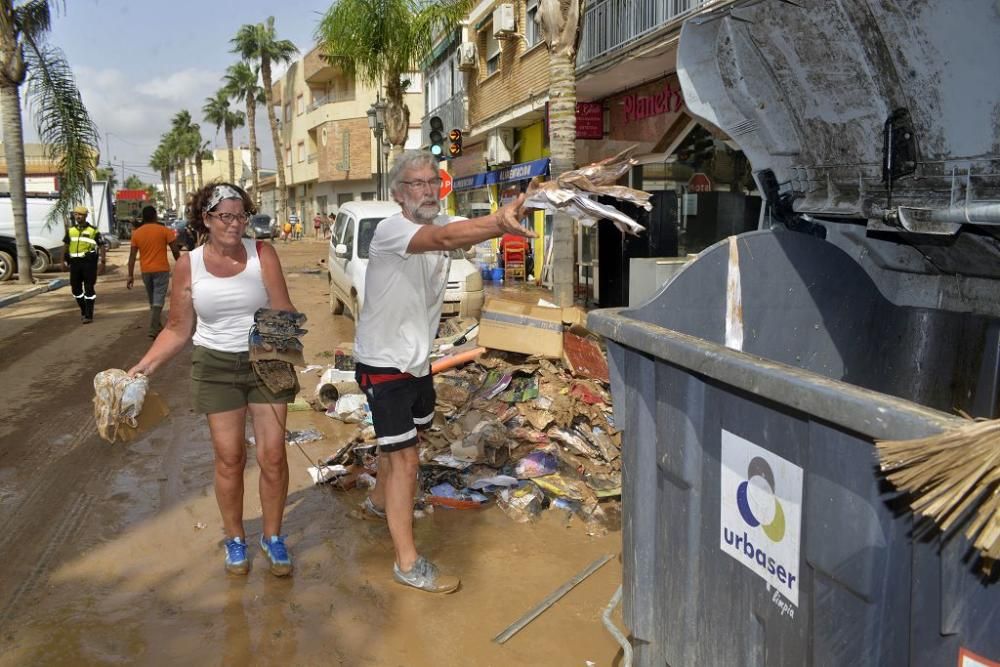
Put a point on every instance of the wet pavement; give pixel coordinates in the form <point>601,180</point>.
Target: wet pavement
<point>112,552</point>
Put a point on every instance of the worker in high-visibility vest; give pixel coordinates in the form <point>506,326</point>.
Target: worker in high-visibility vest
<point>83,246</point>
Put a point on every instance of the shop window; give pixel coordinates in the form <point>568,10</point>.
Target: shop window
<point>492,51</point>
<point>532,31</point>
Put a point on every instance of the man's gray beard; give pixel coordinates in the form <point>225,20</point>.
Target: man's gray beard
<point>428,218</point>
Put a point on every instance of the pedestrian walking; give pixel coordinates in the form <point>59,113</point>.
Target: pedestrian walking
<point>216,290</point>
<point>317,223</point>
<point>298,230</point>
<point>83,245</point>
<point>151,242</point>
<point>404,290</point>
<point>286,232</point>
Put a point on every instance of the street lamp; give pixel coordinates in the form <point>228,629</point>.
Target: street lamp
<point>376,123</point>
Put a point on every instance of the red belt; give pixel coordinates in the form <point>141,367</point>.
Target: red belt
<point>372,379</point>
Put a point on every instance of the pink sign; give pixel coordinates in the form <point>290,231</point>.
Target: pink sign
<point>589,120</point>
<point>638,107</point>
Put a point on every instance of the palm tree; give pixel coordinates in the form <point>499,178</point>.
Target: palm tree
<point>61,119</point>
<point>218,113</point>
<point>185,139</point>
<point>161,163</point>
<point>241,84</point>
<point>199,156</point>
<point>259,44</point>
<point>560,27</point>
<point>380,42</point>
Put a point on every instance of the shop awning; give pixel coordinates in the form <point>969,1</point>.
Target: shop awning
<point>515,172</point>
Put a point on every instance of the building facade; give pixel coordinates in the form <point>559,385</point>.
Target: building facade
<point>329,149</point>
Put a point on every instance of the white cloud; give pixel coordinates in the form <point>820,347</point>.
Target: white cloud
<point>177,87</point>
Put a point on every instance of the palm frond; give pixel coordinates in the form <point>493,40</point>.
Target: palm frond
<point>33,19</point>
<point>61,119</point>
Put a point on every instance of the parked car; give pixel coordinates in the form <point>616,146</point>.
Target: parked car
<point>259,227</point>
<point>45,258</point>
<point>112,241</point>
<point>348,260</point>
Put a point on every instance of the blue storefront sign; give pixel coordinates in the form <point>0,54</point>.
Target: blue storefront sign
<point>516,172</point>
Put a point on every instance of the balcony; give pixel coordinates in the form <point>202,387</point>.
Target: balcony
<point>611,25</point>
<point>316,69</point>
<point>331,98</point>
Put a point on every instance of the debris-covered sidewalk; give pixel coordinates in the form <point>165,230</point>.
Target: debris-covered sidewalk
<point>524,418</point>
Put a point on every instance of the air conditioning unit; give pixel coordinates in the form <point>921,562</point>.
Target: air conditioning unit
<point>498,146</point>
<point>467,56</point>
<point>503,21</point>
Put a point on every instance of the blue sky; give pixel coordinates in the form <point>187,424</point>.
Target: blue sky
<point>138,62</point>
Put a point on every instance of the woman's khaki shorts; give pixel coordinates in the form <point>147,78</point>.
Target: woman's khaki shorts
<point>223,381</point>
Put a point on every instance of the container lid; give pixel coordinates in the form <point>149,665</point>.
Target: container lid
<point>867,109</point>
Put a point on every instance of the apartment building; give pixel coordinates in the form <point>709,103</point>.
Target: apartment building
<point>490,79</point>
<point>329,150</point>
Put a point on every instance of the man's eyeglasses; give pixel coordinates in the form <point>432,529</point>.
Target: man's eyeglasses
<point>433,184</point>
<point>230,218</point>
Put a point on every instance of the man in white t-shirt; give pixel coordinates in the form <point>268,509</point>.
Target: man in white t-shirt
<point>404,289</point>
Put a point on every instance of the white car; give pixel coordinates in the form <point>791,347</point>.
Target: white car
<point>348,260</point>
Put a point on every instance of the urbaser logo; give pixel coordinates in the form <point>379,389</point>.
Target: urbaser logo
<point>758,471</point>
<point>760,512</point>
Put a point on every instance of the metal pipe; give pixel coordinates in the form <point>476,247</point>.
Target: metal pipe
<point>613,629</point>
<point>984,214</point>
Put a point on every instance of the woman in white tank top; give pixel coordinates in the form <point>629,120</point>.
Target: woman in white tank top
<point>215,291</point>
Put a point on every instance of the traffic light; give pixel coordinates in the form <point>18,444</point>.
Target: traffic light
<point>437,138</point>
<point>455,147</point>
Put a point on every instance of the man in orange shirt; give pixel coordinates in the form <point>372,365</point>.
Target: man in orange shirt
<point>151,241</point>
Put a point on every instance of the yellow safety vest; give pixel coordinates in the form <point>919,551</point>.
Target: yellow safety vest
<point>82,242</point>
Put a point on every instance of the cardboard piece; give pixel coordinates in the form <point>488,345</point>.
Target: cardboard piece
<point>574,315</point>
<point>521,327</point>
<point>583,356</point>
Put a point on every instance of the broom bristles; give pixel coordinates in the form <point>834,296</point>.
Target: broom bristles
<point>951,477</point>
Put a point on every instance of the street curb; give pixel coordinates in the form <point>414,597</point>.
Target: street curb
<point>33,291</point>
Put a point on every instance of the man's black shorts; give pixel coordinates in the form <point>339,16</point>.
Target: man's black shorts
<point>401,404</point>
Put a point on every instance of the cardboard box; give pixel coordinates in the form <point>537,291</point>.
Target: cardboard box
<point>574,315</point>
<point>521,327</point>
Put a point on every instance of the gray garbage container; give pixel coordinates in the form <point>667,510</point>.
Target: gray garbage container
<point>757,527</point>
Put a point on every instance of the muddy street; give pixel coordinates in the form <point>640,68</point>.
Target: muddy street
<point>112,552</point>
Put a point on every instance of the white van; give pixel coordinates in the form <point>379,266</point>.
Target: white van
<point>348,260</point>
<point>46,237</point>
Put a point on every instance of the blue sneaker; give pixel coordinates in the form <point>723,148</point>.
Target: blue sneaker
<point>277,554</point>
<point>236,556</point>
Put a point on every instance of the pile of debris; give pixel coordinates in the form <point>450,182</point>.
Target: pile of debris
<point>528,423</point>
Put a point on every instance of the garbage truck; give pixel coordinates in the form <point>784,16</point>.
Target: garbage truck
<point>753,387</point>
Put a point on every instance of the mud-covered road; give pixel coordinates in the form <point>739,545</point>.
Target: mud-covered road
<point>111,553</point>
